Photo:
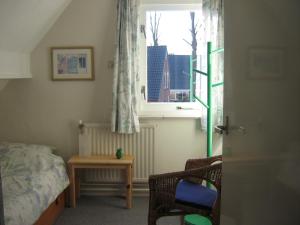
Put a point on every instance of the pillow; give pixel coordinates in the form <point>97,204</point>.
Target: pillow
<point>195,194</point>
<point>4,146</point>
<point>20,159</point>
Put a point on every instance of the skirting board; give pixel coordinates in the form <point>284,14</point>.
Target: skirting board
<point>109,189</point>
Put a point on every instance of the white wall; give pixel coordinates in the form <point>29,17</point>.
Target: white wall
<point>22,25</point>
<point>43,111</point>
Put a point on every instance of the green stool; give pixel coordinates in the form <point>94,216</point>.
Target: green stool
<point>195,219</point>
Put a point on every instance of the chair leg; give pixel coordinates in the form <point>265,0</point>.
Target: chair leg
<point>151,221</point>
<point>152,217</point>
<point>182,220</point>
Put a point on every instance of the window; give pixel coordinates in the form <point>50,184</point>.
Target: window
<point>169,36</point>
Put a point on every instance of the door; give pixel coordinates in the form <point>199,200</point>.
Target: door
<point>261,170</point>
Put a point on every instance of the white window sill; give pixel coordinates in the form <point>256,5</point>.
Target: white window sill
<point>192,114</point>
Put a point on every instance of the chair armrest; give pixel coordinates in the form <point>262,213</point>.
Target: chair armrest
<point>197,163</point>
<point>166,183</point>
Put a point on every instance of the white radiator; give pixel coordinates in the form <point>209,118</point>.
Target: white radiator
<point>100,139</point>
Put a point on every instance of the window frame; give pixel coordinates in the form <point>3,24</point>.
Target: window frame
<point>162,109</point>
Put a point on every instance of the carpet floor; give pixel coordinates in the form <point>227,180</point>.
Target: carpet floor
<point>100,210</point>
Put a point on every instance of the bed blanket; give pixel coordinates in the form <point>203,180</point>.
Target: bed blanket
<point>32,178</point>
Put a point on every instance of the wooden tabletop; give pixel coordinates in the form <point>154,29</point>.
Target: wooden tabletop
<point>101,159</point>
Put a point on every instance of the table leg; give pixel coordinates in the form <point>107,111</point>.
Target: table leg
<point>129,187</point>
<point>72,186</point>
<point>77,184</point>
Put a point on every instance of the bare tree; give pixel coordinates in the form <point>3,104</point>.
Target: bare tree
<point>154,25</point>
<point>194,31</point>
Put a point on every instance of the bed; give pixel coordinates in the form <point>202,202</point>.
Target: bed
<point>34,181</point>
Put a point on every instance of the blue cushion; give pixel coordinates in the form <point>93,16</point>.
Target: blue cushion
<point>195,194</point>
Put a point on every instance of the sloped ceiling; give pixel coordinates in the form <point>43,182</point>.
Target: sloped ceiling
<point>23,23</point>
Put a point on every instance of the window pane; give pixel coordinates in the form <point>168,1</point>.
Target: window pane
<point>171,46</point>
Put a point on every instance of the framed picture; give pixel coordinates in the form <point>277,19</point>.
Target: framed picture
<point>72,63</point>
<point>266,63</point>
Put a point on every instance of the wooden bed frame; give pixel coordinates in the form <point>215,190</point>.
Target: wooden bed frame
<point>50,215</point>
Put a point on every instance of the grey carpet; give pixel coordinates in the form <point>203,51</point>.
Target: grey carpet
<point>100,210</point>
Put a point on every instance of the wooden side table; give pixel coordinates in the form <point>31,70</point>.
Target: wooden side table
<point>99,162</point>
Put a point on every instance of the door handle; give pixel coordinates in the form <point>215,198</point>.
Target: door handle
<point>221,129</point>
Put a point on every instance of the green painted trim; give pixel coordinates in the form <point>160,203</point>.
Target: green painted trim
<point>217,50</point>
<point>199,100</point>
<point>191,81</point>
<point>210,85</point>
<point>198,71</point>
<point>209,101</point>
<point>217,84</point>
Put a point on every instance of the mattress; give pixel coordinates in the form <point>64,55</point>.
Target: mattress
<point>32,178</point>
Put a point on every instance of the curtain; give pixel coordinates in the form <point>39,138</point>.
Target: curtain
<point>125,81</point>
<point>213,30</point>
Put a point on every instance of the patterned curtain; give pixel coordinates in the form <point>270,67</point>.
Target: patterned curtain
<point>125,83</point>
<point>213,30</point>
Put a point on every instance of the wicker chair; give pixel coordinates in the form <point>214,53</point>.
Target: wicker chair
<point>163,191</point>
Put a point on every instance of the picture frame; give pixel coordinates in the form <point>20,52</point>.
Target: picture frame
<point>266,63</point>
<point>72,63</point>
